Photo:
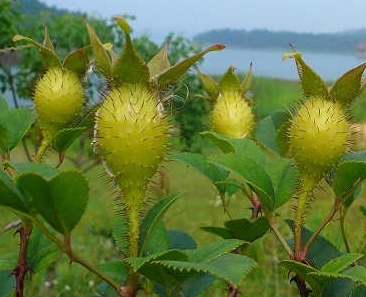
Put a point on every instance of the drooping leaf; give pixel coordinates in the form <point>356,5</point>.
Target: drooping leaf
<point>101,56</point>
<point>129,67</point>
<point>348,175</point>
<point>153,217</point>
<point>16,122</point>
<point>245,85</point>
<point>41,251</point>
<point>10,195</point>
<point>65,138</point>
<point>172,74</point>
<point>159,62</point>
<point>209,85</point>
<point>230,82</point>
<point>311,83</point>
<point>201,164</point>
<point>347,87</point>
<point>78,60</point>
<point>49,56</point>
<point>61,200</point>
<point>181,240</point>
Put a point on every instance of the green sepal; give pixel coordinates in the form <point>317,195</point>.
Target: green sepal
<point>159,62</point>
<point>173,74</point>
<point>78,60</point>
<point>229,82</point>
<point>49,56</point>
<point>10,196</point>
<point>311,83</point>
<point>129,67</point>
<point>61,200</point>
<point>347,87</point>
<point>102,59</point>
<point>210,86</point>
<point>247,81</point>
<point>14,123</point>
<point>47,40</point>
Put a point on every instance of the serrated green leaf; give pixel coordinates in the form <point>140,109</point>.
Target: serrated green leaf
<point>200,162</point>
<point>152,218</point>
<point>252,172</point>
<point>16,122</point>
<point>159,62</point>
<point>66,137</point>
<point>245,85</point>
<point>248,230</point>
<point>41,252</point>
<point>348,175</point>
<point>101,56</point>
<point>3,104</point>
<point>49,56</point>
<point>181,240</point>
<point>78,60</point>
<point>339,264</point>
<point>209,85</point>
<point>311,83</point>
<point>356,273</point>
<point>10,195</point>
<point>61,201</point>
<point>229,82</point>
<point>41,169</point>
<point>7,282</point>
<point>129,67</point>
<point>347,87</point>
<point>210,252</point>
<point>158,240</point>
<point>172,74</point>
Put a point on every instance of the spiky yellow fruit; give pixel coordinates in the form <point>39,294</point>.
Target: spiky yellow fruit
<point>232,116</point>
<point>319,134</point>
<point>58,98</point>
<point>131,135</point>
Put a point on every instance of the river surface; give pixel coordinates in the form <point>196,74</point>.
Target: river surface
<point>269,63</point>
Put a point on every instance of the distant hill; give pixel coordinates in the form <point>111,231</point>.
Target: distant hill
<point>34,7</point>
<point>343,42</point>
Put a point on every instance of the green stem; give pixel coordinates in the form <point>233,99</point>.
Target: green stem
<point>327,220</point>
<point>280,237</point>
<point>342,217</point>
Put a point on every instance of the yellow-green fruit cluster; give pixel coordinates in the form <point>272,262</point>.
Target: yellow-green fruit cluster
<point>319,134</point>
<point>131,135</point>
<point>58,98</point>
<point>232,116</point>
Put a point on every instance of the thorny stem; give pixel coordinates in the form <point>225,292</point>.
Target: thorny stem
<point>327,220</point>
<point>22,268</point>
<point>252,196</point>
<point>342,217</point>
<point>232,291</point>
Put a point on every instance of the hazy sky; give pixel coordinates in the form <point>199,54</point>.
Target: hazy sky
<point>188,17</point>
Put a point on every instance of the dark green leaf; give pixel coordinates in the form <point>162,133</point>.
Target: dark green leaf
<point>61,201</point>
<point>180,240</point>
<point>339,288</point>
<point>158,240</point>
<point>153,217</point>
<point>222,232</point>
<point>101,56</point>
<point>7,282</point>
<point>10,196</point>
<point>248,230</point>
<point>159,62</point>
<point>16,123</point>
<point>78,60</point>
<point>348,86</point>
<point>195,285</point>
<point>65,138</point>
<point>115,269</point>
<point>311,83</point>
<point>230,82</point>
<point>129,67</point>
<point>359,291</point>
<point>172,74</point>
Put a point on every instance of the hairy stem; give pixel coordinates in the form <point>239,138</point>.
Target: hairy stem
<point>42,149</point>
<point>326,221</point>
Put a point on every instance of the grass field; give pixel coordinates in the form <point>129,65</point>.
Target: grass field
<point>198,206</point>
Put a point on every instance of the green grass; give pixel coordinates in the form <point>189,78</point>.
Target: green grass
<point>197,206</point>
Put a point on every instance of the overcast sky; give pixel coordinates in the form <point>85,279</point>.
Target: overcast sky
<point>189,17</point>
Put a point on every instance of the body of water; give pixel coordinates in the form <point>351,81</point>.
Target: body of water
<point>269,63</point>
